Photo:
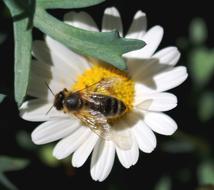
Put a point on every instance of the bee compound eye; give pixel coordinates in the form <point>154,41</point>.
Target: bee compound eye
<point>73,102</point>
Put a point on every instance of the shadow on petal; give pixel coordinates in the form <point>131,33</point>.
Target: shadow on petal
<point>144,70</point>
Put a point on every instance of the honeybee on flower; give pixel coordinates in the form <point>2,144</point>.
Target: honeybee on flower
<point>141,91</point>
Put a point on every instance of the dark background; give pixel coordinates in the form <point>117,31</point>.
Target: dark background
<point>175,17</point>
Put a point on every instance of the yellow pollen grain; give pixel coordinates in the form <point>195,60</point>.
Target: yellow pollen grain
<point>123,90</point>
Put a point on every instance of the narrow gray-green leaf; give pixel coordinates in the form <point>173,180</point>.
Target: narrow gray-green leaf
<point>23,42</point>
<point>12,164</point>
<point>6,182</point>
<point>67,4</point>
<point>2,96</point>
<point>106,46</point>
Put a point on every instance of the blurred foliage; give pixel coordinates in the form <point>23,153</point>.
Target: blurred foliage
<point>24,140</point>
<point>198,31</point>
<point>201,66</point>
<point>206,187</point>
<point>3,37</point>
<point>206,172</point>
<point>46,156</point>
<point>200,60</point>
<point>163,184</point>
<point>10,164</point>
<point>206,106</point>
<point>177,146</point>
<point>2,97</point>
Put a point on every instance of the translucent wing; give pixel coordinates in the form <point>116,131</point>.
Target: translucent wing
<point>105,84</point>
<point>96,122</point>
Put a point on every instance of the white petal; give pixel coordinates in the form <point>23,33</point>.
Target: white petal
<point>38,87</point>
<point>82,153</point>
<point>141,90</point>
<point>48,72</point>
<point>160,123</point>
<point>41,52</point>
<point>161,82</point>
<point>68,145</point>
<point>102,160</point>
<point>36,110</point>
<point>45,55</point>
<point>130,157</point>
<point>76,63</point>
<point>138,26</point>
<point>168,56</point>
<point>152,38</point>
<point>53,130</point>
<point>121,135</point>
<point>156,102</point>
<point>163,60</point>
<point>112,21</point>
<point>169,79</point>
<point>145,138</point>
<point>81,20</point>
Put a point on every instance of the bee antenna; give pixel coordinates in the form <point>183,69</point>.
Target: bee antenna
<point>49,109</point>
<point>49,88</point>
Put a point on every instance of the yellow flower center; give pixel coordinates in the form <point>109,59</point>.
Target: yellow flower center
<point>122,90</point>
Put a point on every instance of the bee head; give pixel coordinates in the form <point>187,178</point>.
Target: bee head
<point>59,99</point>
<point>73,102</point>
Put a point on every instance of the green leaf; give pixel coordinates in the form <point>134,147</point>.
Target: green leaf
<point>206,173</point>
<point>206,106</point>
<point>201,66</point>
<point>6,182</point>
<point>23,43</point>
<point>198,31</point>
<point>164,183</point>
<point>106,46</point>
<point>10,164</point>
<point>67,4</point>
<point>2,96</point>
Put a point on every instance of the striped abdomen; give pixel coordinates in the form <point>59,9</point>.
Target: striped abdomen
<point>107,105</point>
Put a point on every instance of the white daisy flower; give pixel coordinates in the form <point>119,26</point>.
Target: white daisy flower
<point>142,91</point>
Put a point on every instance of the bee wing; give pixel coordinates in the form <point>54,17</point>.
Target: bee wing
<point>96,121</point>
<point>105,84</point>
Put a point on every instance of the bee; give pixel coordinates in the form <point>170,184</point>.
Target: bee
<point>95,108</point>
